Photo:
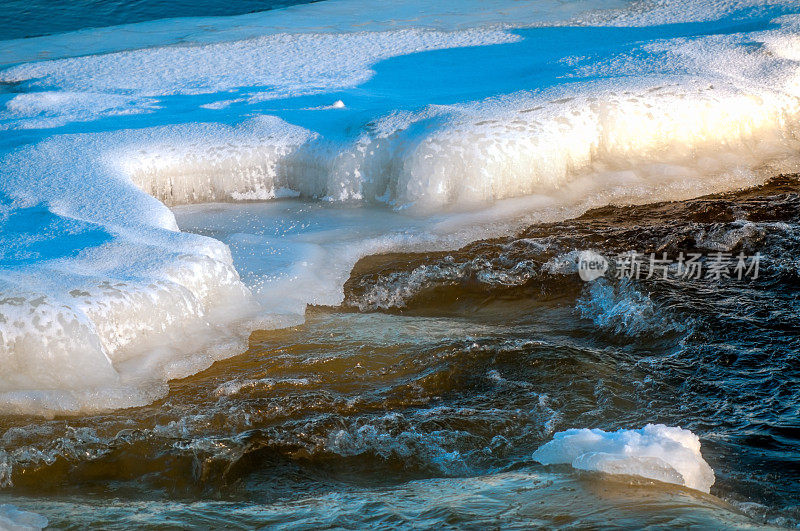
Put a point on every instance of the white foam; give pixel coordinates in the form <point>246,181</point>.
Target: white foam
<point>14,519</point>
<point>659,452</point>
<point>624,310</point>
<point>236,386</point>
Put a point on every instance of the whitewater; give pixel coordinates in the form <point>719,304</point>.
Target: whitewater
<point>163,197</point>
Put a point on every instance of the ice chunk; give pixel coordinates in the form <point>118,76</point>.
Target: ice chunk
<point>664,453</point>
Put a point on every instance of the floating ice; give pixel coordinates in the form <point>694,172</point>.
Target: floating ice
<point>663,453</point>
<point>289,64</point>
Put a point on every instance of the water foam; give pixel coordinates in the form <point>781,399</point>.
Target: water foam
<point>624,310</point>
<point>14,519</point>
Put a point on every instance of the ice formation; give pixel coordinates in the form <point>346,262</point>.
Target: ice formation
<point>663,453</point>
<point>463,121</point>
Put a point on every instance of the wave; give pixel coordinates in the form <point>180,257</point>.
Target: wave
<point>625,311</point>
<point>13,518</point>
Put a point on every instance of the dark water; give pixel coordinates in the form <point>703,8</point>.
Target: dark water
<point>33,18</point>
<point>422,398</point>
